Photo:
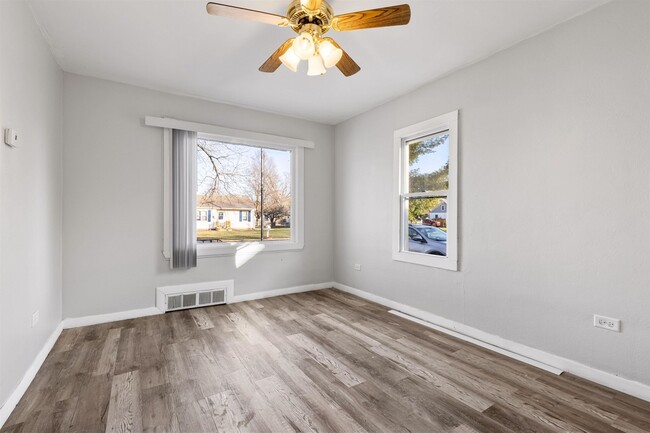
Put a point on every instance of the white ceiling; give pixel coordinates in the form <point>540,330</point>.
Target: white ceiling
<point>175,46</point>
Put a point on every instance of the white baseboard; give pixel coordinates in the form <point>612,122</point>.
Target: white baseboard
<point>280,292</point>
<point>481,343</point>
<point>459,330</point>
<point>75,322</point>
<point>29,375</point>
<point>508,347</point>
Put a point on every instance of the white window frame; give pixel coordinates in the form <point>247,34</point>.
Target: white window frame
<point>234,136</point>
<point>446,122</point>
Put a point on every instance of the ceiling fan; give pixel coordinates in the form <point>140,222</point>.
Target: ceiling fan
<point>311,19</point>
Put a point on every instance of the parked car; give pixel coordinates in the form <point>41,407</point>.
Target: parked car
<point>427,239</point>
<point>439,222</point>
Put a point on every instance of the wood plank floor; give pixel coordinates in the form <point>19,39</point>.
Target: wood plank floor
<point>321,361</point>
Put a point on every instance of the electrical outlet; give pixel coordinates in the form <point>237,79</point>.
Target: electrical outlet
<point>607,323</point>
<point>35,316</point>
<point>356,267</point>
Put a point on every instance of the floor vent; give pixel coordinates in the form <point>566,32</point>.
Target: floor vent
<point>171,298</point>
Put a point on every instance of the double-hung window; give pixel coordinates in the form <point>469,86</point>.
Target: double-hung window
<point>425,209</point>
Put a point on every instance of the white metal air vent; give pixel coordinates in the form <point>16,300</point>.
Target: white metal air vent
<point>205,298</point>
<point>186,296</point>
<point>174,302</point>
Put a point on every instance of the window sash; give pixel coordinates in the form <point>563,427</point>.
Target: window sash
<point>405,166</point>
<point>404,225</point>
<point>286,148</point>
<point>247,216</point>
<point>428,194</point>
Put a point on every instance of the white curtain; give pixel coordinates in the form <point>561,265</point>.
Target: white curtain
<point>183,199</point>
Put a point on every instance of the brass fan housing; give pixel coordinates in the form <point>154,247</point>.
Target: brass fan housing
<point>298,16</point>
<point>315,17</point>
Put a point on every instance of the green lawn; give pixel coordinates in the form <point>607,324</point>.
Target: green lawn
<point>244,235</point>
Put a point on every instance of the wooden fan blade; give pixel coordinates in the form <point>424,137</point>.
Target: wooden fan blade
<point>346,65</point>
<point>222,10</point>
<point>273,63</point>
<point>311,5</point>
<point>382,17</point>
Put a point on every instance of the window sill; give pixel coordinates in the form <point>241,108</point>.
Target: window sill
<point>426,260</point>
<point>247,248</point>
<point>242,249</point>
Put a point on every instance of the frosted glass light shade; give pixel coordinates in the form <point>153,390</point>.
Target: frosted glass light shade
<point>316,66</point>
<point>303,46</point>
<point>330,53</point>
<point>290,60</point>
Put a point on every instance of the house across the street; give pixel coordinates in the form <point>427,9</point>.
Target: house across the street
<point>237,212</point>
<point>440,211</point>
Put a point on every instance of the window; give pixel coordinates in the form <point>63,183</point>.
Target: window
<point>271,201</point>
<point>241,177</point>
<point>425,177</point>
<point>198,215</point>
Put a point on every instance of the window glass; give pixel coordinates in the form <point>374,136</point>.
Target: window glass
<point>429,163</point>
<point>428,172</point>
<point>426,234</point>
<point>249,187</point>
<point>276,194</point>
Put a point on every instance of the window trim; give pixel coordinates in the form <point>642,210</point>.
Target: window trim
<point>296,147</point>
<point>445,122</point>
<point>251,138</point>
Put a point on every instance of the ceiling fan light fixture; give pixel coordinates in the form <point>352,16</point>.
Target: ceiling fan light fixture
<point>303,45</point>
<point>316,66</point>
<point>310,19</point>
<point>330,53</point>
<point>290,60</point>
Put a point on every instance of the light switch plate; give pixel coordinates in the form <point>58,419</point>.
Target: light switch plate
<point>35,318</point>
<point>11,137</point>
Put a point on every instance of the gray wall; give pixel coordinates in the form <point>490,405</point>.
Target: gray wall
<point>554,199</point>
<point>113,220</point>
<point>30,193</point>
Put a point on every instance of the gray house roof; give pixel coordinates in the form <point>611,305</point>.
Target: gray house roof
<point>234,202</point>
<point>442,207</point>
